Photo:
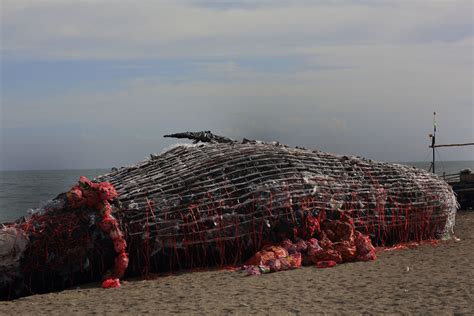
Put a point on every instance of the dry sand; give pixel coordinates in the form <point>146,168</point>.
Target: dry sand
<point>426,280</point>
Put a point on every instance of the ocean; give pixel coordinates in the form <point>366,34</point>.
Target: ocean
<point>24,190</point>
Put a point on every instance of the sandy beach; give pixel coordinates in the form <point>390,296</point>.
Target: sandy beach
<point>424,280</point>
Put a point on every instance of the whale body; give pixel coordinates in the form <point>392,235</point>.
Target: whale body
<point>217,202</point>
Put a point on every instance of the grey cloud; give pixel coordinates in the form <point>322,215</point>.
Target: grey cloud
<point>370,78</point>
<point>154,29</point>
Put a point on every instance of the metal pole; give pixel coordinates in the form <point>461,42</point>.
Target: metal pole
<point>454,145</point>
<point>433,140</point>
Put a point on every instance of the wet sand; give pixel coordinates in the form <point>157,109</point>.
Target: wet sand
<point>429,279</point>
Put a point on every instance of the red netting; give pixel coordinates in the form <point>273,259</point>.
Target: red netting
<point>97,196</point>
<point>60,241</point>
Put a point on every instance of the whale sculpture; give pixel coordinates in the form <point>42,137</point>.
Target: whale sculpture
<point>212,203</point>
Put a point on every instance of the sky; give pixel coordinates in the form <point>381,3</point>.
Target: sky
<point>96,84</point>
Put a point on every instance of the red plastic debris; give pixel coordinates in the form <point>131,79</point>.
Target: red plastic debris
<point>347,249</point>
<point>410,245</point>
<point>326,255</point>
<point>365,249</point>
<point>273,259</point>
<point>301,245</point>
<point>98,196</point>
<point>90,194</point>
<point>111,283</point>
<point>326,264</point>
<point>309,227</point>
<point>279,252</point>
<point>121,264</point>
<point>261,258</point>
<point>339,242</point>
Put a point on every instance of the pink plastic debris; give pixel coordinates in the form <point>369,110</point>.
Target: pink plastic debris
<point>111,283</point>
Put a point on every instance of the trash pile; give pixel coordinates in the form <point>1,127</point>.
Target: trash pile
<point>337,242</point>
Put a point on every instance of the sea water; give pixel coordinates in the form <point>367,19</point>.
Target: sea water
<point>24,190</point>
<point>27,189</point>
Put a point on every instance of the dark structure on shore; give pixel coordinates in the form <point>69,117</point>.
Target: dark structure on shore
<point>216,202</point>
<point>463,185</point>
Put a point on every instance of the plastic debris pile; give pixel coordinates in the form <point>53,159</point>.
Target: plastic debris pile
<point>337,242</point>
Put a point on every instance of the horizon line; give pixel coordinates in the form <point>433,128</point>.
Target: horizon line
<point>110,168</point>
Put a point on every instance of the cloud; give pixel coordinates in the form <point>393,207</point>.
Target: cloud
<point>111,77</point>
<point>156,29</point>
<point>389,89</point>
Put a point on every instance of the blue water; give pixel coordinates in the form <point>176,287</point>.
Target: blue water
<point>23,190</point>
<point>449,167</point>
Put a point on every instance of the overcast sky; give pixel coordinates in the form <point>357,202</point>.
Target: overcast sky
<point>89,84</point>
